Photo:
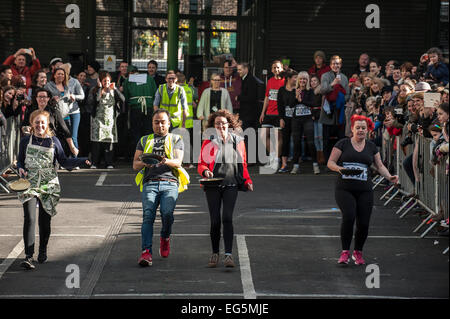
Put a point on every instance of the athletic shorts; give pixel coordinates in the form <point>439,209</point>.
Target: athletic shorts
<point>271,121</point>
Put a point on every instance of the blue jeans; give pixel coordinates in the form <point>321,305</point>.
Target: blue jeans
<point>318,135</point>
<point>73,123</point>
<point>154,194</point>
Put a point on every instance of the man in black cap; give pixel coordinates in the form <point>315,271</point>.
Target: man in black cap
<point>55,62</point>
<point>92,73</point>
<point>388,97</point>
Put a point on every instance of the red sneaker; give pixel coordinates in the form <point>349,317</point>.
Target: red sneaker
<point>164,247</point>
<point>358,258</point>
<point>345,257</point>
<point>145,259</point>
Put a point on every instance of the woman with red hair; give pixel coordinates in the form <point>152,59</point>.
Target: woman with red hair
<point>352,158</point>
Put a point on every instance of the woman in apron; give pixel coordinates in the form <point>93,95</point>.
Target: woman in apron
<point>37,157</point>
<point>106,103</point>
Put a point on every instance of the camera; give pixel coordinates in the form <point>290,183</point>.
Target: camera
<point>378,101</point>
<point>407,141</point>
<point>20,97</point>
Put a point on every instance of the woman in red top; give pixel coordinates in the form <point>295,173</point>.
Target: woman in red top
<point>223,156</point>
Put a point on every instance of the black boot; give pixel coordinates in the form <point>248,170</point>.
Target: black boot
<point>42,257</point>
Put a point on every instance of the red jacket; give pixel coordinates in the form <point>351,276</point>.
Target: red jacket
<point>26,72</point>
<point>208,154</point>
<point>313,70</point>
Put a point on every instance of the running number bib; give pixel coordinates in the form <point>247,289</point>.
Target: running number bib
<point>289,111</point>
<point>302,110</point>
<point>273,95</point>
<point>361,177</point>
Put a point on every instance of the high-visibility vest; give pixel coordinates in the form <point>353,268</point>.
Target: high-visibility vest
<point>179,172</point>
<point>173,105</point>
<point>189,123</point>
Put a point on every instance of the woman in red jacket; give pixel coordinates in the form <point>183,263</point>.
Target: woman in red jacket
<point>223,156</point>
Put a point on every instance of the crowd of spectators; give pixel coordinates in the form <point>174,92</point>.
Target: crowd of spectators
<point>313,108</point>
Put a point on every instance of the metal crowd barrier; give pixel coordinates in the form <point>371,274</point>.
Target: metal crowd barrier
<point>9,149</point>
<point>430,192</point>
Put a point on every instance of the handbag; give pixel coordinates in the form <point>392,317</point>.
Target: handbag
<point>63,106</point>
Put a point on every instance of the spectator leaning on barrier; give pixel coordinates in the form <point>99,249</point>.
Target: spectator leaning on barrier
<point>18,63</point>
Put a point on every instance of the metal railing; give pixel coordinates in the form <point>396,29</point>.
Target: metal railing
<point>9,149</point>
<point>430,191</point>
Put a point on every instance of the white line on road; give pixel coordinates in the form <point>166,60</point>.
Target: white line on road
<point>11,257</point>
<point>285,236</point>
<point>246,272</point>
<point>101,179</point>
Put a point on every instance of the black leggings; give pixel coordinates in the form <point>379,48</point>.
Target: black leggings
<point>286,133</point>
<point>215,196</point>
<point>29,210</point>
<point>354,206</point>
<point>303,126</point>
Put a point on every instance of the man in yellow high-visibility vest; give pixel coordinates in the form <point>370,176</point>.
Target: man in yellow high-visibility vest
<point>159,183</point>
<point>189,123</point>
<point>172,97</point>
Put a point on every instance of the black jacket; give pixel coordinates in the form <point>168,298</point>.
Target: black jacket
<point>159,80</point>
<point>248,99</point>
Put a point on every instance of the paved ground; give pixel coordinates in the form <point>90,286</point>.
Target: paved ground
<point>286,245</point>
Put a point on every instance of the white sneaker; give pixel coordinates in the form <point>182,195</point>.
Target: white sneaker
<point>93,166</point>
<point>275,164</point>
<point>316,168</point>
<point>295,169</point>
<point>110,167</point>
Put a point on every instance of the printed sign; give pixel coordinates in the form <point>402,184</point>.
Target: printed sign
<point>431,99</point>
<point>109,62</point>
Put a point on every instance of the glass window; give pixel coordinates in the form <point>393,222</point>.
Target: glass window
<point>223,43</point>
<point>223,25</point>
<point>109,5</point>
<point>150,22</point>
<point>224,7</point>
<point>155,6</point>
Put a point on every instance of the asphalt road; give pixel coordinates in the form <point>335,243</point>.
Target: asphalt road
<point>286,245</point>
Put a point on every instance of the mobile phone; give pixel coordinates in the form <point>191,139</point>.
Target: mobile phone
<point>28,51</point>
<point>338,76</point>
